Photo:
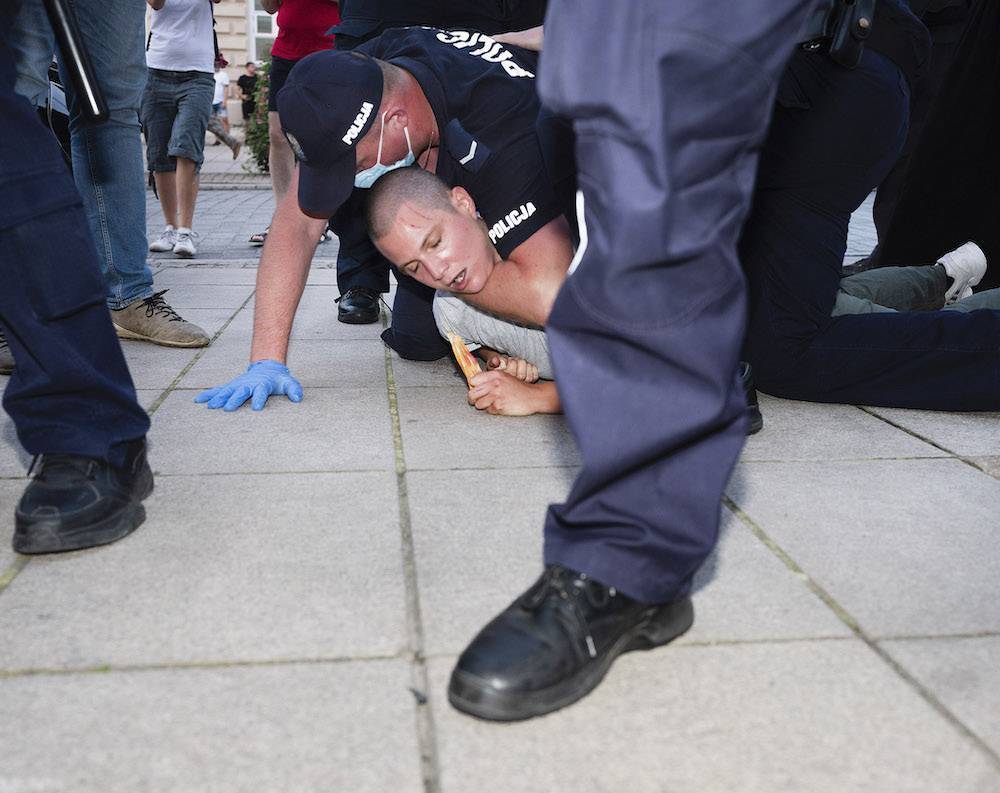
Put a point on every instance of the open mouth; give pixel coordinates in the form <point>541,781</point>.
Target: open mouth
<point>458,281</point>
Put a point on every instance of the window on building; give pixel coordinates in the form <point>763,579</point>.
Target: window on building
<point>261,30</point>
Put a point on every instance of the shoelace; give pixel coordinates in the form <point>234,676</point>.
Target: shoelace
<point>156,304</point>
<point>568,588</point>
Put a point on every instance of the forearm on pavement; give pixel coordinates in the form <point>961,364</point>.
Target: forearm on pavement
<point>281,277</point>
<point>545,397</point>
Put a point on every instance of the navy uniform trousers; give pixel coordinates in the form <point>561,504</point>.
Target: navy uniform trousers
<point>71,391</point>
<point>670,102</point>
<point>834,136</point>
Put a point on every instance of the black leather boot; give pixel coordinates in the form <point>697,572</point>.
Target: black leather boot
<point>555,643</point>
<point>753,408</point>
<point>358,306</point>
<point>77,502</point>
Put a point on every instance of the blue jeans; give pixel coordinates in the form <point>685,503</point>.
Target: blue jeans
<point>107,158</point>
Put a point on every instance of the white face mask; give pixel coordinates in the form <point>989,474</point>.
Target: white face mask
<point>369,176</point>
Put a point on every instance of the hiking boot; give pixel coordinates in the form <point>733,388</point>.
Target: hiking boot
<point>165,242</point>
<point>152,319</point>
<point>184,246</point>
<point>76,502</point>
<point>555,643</point>
<point>6,356</point>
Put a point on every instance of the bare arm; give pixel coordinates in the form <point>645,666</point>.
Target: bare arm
<point>530,39</point>
<point>501,394</point>
<point>281,276</point>
<point>524,286</point>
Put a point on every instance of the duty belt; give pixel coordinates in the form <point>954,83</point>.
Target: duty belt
<point>841,28</point>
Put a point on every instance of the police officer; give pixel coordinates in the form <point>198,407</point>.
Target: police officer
<point>362,277</point>
<point>454,102</point>
<point>71,397</point>
<point>670,101</point>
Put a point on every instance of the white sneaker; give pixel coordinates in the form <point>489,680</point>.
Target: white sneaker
<point>966,266</point>
<point>184,246</point>
<point>165,242</point>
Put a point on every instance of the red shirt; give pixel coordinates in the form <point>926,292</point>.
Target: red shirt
<point>302,27</point>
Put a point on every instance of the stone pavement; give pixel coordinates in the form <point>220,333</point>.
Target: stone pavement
<point>287,617</point>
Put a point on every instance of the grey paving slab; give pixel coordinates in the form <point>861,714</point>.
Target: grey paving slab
<point>437,433</point>
<point>184,297</point>
<point>14,461</point>
<point>861,235</point>
<point>189,275</point>
<point>470,565</point>
<point>357,363</point>
<point>316,318</point>
<point>963,674</point>
<point>332,429</point>
<point>906,546</point>
<point>309,729</point>
<point>10,492</point>
<point>224,569</point>
<point>970,434</point>
<point>441,372</point>
<point>990,465</point>
<point>809,431</point>
<point>822,717</point>
<point>478,544</point>
<point>152,366</point>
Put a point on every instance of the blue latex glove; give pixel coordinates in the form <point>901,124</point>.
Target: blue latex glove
<point>261,379</point>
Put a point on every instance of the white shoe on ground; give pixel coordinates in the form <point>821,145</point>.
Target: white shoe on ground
<point>184,246</point>
<point>966,266</point>
<point>165,242</point>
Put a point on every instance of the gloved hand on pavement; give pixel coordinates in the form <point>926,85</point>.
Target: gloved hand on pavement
<point>261,379</point>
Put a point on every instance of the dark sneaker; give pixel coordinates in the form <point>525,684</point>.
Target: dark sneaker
<point>554,644</point>
<point>753,408</point>
<point>358,306</point>
<point>152,319</point>
<point>76,502</point>
<point>6,356</point>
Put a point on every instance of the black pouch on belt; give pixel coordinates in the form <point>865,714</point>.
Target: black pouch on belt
<point>850,28</point>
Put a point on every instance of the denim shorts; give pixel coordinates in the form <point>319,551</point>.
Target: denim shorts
<point>175,111</point>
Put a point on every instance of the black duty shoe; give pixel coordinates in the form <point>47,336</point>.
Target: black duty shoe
<point>554,644</point>
<point>77,502</point>
<point>358,306</point>
<point>6,356</point>
<point>753,408</point>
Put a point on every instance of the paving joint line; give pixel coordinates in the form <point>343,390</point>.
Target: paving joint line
<point>15,567</point>
<point>969,462</point>
<point>198,356</point>
<point>426,733</point>
<point>181,666</point>
<point>855,627</point>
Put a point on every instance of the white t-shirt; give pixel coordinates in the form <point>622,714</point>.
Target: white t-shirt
<point>180,37</point>
<point>221,84</point>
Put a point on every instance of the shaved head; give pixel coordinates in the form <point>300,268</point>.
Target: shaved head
<point>411,185</point>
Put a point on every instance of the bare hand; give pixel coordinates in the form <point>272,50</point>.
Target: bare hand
<point>516,367</point>
<point>501,394</point>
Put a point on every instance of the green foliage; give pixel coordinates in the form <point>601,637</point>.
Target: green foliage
<point>257,138</point>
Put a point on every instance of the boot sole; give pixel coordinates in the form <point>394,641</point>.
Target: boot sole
<point>124,333</point>
<point>51,537</point>
<point>471,696</point>
<point>365,319</point>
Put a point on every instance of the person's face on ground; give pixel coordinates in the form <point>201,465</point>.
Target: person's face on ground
<point>444,250</point>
